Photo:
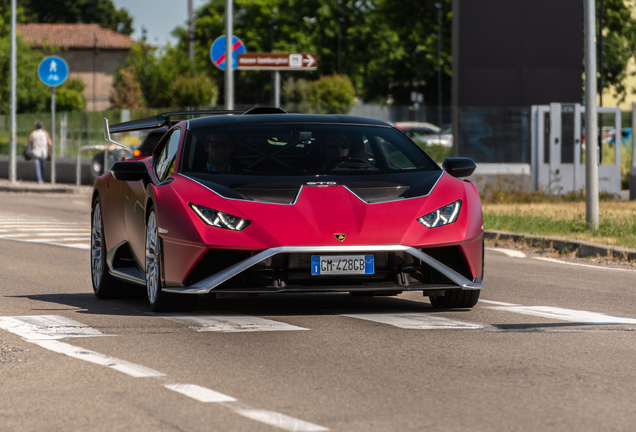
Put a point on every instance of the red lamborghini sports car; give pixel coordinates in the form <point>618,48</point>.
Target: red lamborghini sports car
<point>265,201</point>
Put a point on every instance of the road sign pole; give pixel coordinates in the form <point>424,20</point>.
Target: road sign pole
<point>591,147</point>
<point>53,135</point>
<point>13,163</point>
<point>632,176</point>
<point>229,81</point>
<point>277,88</point>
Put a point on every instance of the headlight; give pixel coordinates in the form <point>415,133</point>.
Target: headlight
<point>219,219</point>
<point>443,216</point>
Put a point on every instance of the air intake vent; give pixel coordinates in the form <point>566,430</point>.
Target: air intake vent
<point>380,194</point>
<point>270,193</point>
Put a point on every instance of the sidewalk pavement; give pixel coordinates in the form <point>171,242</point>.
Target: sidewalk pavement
<point>21,186</point>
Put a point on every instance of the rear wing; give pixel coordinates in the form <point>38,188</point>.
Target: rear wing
<point>162,120</point>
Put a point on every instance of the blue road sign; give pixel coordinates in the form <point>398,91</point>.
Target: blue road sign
<point>217,51</point>
<point>53,71</point>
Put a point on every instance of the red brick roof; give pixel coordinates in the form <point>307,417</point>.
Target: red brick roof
<point>74,36</point>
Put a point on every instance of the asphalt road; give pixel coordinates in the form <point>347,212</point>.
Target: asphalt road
<point>549,348</point>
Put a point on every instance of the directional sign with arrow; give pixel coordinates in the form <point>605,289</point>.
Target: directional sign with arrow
<point>277,61</point>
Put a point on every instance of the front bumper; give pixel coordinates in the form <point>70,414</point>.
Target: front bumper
<point>212,282</point>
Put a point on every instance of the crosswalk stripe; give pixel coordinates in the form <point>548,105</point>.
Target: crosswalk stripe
<point>563,314</point>
<point>281,421</point>
<point>199,393</point>
<point>46,231</point>
<point>45,330</point>
<point>228,322</point>
<point>40,229</point>
<point>58,234</point>
<point>410,320</point>
<point>41,327</point>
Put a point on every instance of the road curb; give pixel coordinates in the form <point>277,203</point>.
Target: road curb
<point>583,249</point>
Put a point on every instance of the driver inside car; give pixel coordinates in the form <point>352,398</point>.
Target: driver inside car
<point>333,146</point>
<point>219,148</point>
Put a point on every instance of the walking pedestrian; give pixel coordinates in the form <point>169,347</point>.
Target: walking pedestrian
<point>41,147</point>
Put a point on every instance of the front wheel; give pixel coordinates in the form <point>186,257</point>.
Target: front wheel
<point>159,300</point>
<point>456,298</point>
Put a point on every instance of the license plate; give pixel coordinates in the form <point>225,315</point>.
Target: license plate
<point>341,264</point>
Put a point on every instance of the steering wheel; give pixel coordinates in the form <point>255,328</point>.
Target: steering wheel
<point>334,163</point>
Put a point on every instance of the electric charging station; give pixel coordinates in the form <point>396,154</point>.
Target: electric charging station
<point>557,149</point>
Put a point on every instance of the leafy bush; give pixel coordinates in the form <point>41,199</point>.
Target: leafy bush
<point>332,94</point>
<point>192,90</point>
<point>70,95</point>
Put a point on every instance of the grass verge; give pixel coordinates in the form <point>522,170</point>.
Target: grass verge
<point>617,221</point>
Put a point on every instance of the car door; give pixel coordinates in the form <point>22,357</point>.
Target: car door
<point>135,195</point>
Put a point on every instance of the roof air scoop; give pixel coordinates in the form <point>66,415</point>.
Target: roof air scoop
<point>265,110</point>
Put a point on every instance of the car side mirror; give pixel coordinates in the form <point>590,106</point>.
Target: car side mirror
<point>129,171</point>
<point>459,166</point>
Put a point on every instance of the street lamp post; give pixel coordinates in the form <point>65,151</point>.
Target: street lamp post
<point>600,75</point>
<point>439,67</point>
<point>95,52</point>
<point>229,77</point>
<point>12,133</point>
<point>143,61</point>
<point>339,20</point>
<point>591,153</point>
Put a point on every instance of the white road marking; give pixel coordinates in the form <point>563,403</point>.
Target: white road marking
<point>570,315</point>
<point>202,394</point>
<point>43,327</point>
<point>56,234</point>
<point>43,330</point>
<point>75,245</point>
<point>510,252</point>
<point>132,369</point>
<point>582,265</point>
<point>496,302</point>
<point>410,320</point>
<point>46,230</point>
<point>231,323</point>
<point>281,420</point>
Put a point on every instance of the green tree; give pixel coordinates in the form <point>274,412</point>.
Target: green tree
<point>102,12</point>
<point>167,78</point>
<point>32,94</point>
<point>127,90</point>
<point>619,43</point>
<point>388,47</point>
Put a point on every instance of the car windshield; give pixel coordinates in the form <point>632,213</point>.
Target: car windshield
<point>296,149</point>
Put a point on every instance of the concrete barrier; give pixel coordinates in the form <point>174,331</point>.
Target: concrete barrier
<point>65,170</point>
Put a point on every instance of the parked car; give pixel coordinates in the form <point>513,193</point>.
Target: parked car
<point>144,149</point>
<point>269,202</point>
<point>427,133</point>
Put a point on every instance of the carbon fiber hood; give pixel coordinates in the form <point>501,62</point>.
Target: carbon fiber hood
<point>284,190</point>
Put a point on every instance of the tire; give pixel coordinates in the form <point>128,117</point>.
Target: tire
<point>456,298</point>
<point>105,286</point>
<point>159,300</point>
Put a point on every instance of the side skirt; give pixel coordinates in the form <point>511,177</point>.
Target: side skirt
<point>126,274</point>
